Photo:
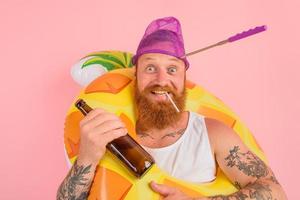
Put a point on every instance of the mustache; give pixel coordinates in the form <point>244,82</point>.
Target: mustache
<point>159,87</point>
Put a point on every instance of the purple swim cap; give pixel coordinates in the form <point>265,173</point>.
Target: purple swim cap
<point>162,36</point>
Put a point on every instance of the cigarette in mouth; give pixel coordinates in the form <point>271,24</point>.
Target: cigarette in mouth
<point>173,103</point>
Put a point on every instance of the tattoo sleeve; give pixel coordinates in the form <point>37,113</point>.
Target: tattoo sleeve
<point>256,190</point>
<point>266,187</point>
<point>77,184</point>
<point>247,162</point>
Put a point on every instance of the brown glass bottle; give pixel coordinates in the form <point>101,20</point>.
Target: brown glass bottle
<point>129,152</point>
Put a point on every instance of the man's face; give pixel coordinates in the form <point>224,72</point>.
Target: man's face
<point>157,74</point>
<point>162,73</point>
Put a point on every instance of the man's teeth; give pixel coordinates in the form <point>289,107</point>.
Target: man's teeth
<point>159,92</point>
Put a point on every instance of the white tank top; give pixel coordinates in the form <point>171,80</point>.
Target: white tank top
<point>190,157</point>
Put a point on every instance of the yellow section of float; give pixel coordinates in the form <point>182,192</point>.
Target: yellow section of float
<point>114,92</point>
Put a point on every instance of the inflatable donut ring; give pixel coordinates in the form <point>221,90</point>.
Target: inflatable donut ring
<point>113,91</point>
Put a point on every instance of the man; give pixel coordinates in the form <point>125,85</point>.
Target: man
<point>171,137</point>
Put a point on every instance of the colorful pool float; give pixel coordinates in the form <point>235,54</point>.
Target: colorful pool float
<point>113,91</point>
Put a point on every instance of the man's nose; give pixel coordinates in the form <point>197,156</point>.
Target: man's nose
<point>162,77</point>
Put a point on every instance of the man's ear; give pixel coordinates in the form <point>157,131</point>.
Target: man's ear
<point>134,70</point>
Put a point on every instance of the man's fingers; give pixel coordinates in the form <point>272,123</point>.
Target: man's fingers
<point>163,190</point>
<point>97,119</point>
<point>111,135</point>
<point>91,115</point>
<point>108,126</point>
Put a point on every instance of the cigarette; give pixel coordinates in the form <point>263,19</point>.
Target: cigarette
<point>173,103</point>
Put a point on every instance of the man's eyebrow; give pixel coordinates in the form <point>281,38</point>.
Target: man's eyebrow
<point>171,59</point>
<point>149,58</point>
<point>174,59</point>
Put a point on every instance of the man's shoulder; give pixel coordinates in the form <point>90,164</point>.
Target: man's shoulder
<point>216,127</point>
<point>219,133</point>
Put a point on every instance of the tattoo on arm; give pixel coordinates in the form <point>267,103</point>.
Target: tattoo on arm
<point>258,191</point>
<point>237,185</point>
<point>247,162</point>
<point>253,166</point>
<point>75,186</point>
<point>273,179</point>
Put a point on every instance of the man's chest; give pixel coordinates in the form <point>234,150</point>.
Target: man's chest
<point>159,141</point>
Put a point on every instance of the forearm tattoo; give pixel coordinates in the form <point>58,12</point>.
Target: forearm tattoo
<point>75,186</point>
<point>237,185</point>
<point>256,191</point>
<point>253,166</point>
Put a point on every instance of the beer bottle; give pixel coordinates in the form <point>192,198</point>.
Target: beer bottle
<point>125,148</point>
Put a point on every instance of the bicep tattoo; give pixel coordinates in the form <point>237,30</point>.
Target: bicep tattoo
<point>247,162</point>
<point>252,166</point>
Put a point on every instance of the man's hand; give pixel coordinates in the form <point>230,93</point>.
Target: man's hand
<point>98,128</point>
<point>171,193</point>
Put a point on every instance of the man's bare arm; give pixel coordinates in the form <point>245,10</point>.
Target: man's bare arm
<point>252,177</point>
<point>264,187</point>
<point>77,184</point>
<point>97,129</point>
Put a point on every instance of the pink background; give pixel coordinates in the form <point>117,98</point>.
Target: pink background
<point>40,40</point>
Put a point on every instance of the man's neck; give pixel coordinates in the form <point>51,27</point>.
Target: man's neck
<point>164,137</point>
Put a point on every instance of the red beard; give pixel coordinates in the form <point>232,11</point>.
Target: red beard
<point>158,114</point>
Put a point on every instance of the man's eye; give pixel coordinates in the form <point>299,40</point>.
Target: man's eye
<point>172,70</point>
<point>150,68</point>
